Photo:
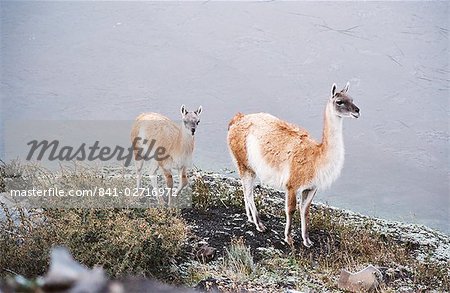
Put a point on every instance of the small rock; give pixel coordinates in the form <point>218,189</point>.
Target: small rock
<point>222,232</point>
<point>66,273</point>
<point>202,242</point>
<point>365,280</point>
<point>206,253</point>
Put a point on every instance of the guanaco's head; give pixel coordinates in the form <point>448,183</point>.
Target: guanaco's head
<point>191,119</point>
<point>342,103</point>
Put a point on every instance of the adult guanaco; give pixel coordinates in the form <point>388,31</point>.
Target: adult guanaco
<point>285,157</point>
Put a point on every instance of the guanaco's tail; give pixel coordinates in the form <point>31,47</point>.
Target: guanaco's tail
<point>235,119</point>
<point>140,116</point>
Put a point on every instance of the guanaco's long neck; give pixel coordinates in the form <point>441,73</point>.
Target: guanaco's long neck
<point>332,146</point>
<point>186,139</point>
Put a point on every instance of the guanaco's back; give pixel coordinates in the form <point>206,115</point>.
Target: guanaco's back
<point>267,146</point>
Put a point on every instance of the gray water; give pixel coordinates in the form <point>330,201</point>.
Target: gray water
<point>114,60</point>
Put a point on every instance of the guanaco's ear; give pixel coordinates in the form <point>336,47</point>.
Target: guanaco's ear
<point>198,111</point>
<point>183,110</point>
<point>345,90</point>
<point>333,90</point>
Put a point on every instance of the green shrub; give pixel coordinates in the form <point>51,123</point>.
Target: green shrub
<point>238,261</point>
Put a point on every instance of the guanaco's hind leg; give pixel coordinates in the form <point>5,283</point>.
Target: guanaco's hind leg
<point>247,186</point>
<point>154,180</point>
<point>291,203</point>
<point>307,197</point>
<point>139,162</point>
<point>248,180</point>
<point>183,181</point>
<point>169,184</point>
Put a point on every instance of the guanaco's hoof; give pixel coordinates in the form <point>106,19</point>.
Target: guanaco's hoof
<point>260,227</point>
<point>308,243</point>
<point>289,240</point>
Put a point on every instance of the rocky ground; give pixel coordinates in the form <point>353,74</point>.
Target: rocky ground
<point>219,218</point>
<point>220,251</point>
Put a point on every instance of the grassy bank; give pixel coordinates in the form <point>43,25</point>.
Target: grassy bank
<point>165,243</point>
<point>411,257</point>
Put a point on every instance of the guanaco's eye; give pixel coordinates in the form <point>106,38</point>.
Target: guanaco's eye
<point>339,103</point>
<point>198,122</point>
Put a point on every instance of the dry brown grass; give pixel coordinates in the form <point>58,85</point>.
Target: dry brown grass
<point>339,244</point>
<point>353,247</point>
<point>147,241</point>
<point>124,241</point>
<point>238,261</point>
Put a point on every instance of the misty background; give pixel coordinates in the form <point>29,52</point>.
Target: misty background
<point>115,60</point>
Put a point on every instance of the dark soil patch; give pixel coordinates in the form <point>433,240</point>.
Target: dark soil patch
<point>219,224</point>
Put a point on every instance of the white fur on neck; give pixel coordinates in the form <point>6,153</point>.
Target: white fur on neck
<point>333,160</point>
<point>186,141</point>
<point>186,134</point>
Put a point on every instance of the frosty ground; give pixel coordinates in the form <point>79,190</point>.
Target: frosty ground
<point>210,244</point>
